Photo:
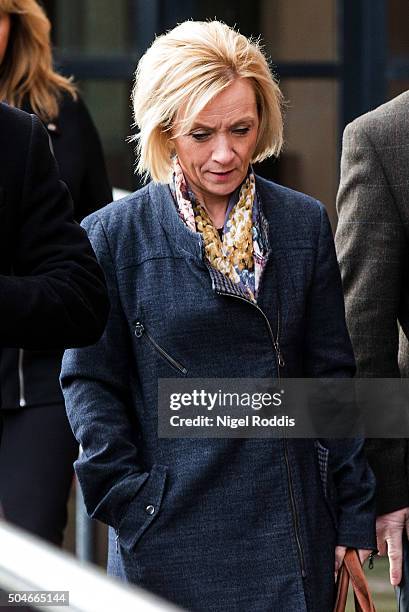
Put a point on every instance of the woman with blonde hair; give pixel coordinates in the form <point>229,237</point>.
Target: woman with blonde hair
<point>38,447</point>
<point>214,272</point>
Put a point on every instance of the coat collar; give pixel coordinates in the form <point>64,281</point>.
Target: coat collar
<point>165,210</point>
<point>191,243</point>
<point>164,207</point>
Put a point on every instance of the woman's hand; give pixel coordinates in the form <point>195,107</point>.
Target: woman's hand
<point>363,554</point>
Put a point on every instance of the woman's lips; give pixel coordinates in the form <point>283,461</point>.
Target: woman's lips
<point>222,176</point>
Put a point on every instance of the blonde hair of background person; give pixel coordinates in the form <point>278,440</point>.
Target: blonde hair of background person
<point>187,68</point>
<point>27,70</point>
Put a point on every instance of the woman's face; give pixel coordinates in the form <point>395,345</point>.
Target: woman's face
<point>4,33</point>
<point>216,153</point>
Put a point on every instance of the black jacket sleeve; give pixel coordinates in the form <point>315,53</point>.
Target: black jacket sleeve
<point>56,296</point>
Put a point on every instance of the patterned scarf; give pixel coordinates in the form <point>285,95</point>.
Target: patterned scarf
<point>240,254</point>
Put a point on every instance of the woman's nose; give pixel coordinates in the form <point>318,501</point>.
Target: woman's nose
<point>223,152</point>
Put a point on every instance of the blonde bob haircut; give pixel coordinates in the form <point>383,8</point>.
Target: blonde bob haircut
<point>26,72</point>
<point>185,69</point>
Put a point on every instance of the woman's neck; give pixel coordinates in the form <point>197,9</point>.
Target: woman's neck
<point>215,207</point>
<point>216,211</point>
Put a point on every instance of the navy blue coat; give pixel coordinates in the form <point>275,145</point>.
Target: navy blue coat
<point>215,524</point>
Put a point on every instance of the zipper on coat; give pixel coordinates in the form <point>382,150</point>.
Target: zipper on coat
<point>117,541</point>
<point>280,364</point>
<point>275,341</point>
<point>139,331</point>
<point>22,396</point>
<point>294,512</point>
<point>281,361</point>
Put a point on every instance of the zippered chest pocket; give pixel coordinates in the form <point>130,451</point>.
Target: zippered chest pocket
<point>142,334</point>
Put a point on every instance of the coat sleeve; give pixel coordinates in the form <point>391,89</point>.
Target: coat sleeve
<point>95,383</point>
<point>354,484</point>
<point>327,346</point>
<point>57,295</point>
<point>372,252</point>
<point>329,354</point>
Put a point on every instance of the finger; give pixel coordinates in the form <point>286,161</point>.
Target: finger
<point>339,556</point>
<point>363,554</point>
<point>381,546</point>
<point>395,558</point>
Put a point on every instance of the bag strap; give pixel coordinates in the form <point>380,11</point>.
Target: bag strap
<point>351,570</point>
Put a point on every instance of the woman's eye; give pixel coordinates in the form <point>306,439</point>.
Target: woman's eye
<point>241,131</point>
<point>199,136</point>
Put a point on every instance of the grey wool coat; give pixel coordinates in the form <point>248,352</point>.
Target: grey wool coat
<point>216,524</point>
<point>372,242</point>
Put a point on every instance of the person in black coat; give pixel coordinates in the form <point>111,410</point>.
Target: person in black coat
<point>33,407</point>
<point>52,291</point>
<point>31,378</point>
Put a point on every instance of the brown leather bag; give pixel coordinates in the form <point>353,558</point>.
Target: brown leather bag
<point>351,570</point>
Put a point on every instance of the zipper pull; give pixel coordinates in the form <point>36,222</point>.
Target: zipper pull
<point>280,357</point>
<point>116,542</point>
<point>139,329</point>
<point>371,560</point>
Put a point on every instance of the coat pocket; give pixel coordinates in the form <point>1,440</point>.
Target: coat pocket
<point>143,509</point>
<point>326,480</point>
<point>141,332</point>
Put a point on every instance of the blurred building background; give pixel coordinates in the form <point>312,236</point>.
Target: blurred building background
<point>335,60</point>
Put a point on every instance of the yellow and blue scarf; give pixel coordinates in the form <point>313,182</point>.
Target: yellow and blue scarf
<point>240,254</point>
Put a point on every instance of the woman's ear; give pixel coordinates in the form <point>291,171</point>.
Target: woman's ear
<point>171,149</point>
<point>170,144</point>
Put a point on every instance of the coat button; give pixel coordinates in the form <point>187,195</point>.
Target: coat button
<point>150,509</point>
